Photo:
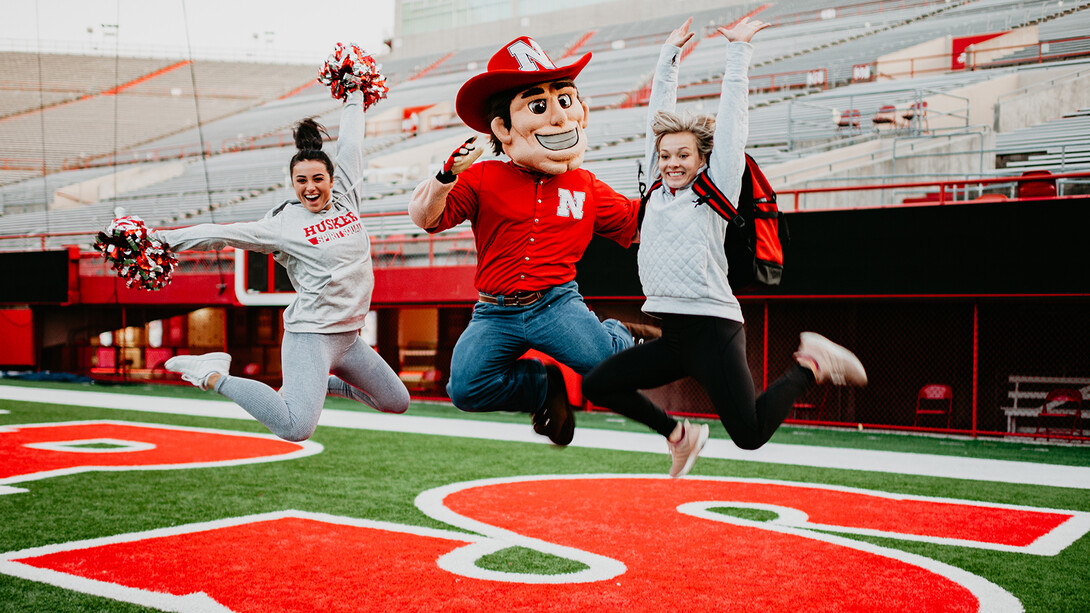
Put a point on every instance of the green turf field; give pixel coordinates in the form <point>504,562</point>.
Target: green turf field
<point>377,475</point>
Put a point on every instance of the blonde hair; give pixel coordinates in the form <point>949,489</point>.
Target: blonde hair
<point>701,126</point>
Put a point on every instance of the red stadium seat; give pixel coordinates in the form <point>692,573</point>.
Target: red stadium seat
<point>462,248</point>
<point>1043,186</point>
<point>886,115</point>
<point>935,399</point>
<point>1063,405</point>
<point>813,405</point>
<point>849,118</point>
<point>917,111</point>
<point>389,250</point>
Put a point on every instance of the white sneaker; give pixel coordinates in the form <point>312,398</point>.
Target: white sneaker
<point>833,363</point>
<point>685,451</point>
<point>196,368</point>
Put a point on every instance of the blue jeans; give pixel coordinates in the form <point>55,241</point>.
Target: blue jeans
<point>485,372</point>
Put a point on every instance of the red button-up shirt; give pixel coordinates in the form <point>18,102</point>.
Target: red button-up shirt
<point>530,228</point>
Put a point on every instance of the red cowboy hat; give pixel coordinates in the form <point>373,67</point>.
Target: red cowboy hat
<point>518,65</point>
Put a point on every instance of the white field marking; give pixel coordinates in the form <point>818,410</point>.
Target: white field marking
<point>308,448</point>
<point>992,598</point>
<point>928,465</point>
<point>463,561</point>
<point>199,602</point>
<point>86,445</point>
<point>1050,544</point>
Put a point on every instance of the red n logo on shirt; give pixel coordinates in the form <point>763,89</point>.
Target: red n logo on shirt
<point>571,204</point>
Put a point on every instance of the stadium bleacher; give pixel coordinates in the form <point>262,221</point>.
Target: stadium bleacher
<point>1060,144</point>
<point>111,106</point>
<point>247,117</point>
<point>1067,36</point>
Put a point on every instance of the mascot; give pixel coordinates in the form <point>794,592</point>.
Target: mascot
<point>533,217</point>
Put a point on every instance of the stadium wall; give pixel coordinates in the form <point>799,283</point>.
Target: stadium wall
<point>927,159</point>
<point>963,294</point>
<point>972,294</point>
<point>1049,95</point>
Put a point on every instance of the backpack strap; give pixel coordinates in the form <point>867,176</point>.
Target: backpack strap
<point>644,197</point>
<point>707,193</point>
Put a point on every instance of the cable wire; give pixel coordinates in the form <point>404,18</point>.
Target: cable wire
<point>222,287</point>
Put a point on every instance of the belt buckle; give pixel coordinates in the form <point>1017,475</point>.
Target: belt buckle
<point>516,299</point>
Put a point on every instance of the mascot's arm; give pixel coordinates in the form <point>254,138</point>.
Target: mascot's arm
<point>429,200</point>
<point>428,203</point>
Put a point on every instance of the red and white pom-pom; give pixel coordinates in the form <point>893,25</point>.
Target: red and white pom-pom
<point>348,69</point>
<point>144,263</point>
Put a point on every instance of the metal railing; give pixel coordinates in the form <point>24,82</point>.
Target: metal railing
<point>940,192</point>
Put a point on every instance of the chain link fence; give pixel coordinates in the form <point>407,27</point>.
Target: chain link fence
<point>999,357</point>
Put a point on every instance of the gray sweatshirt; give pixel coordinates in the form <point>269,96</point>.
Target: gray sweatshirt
<point>683,267</point>
<point>327,255</point>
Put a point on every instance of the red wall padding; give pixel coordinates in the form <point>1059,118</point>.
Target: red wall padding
<point>17,330</point>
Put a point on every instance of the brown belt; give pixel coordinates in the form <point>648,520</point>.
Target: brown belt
<point>523,299</point>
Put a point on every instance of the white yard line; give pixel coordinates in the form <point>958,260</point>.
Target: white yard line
<point>929,465</point>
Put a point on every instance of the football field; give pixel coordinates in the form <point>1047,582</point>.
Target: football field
<point>132,498</point>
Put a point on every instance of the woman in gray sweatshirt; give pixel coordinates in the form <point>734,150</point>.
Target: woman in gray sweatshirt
<point>319,238</point>
<point>683,270</point>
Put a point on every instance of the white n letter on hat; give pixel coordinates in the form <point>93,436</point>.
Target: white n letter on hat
<point>530,56</point>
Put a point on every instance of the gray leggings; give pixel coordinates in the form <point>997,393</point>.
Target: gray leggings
<point>358,373</point>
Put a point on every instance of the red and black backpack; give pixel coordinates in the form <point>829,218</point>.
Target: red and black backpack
<point>756,233</point>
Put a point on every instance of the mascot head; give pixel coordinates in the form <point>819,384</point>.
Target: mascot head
<point>530,107</point>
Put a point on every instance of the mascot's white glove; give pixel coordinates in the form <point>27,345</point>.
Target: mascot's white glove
<point>462,158</point>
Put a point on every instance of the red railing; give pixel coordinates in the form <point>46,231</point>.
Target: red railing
<point>421,250</point>
<point>947,191</point>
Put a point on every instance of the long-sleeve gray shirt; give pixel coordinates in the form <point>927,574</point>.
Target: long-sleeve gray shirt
<point>683,267</point>
<point>327,255</point>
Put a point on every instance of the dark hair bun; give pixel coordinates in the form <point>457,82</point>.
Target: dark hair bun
<point>308,135</point>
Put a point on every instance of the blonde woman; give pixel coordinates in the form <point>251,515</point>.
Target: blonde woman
<point>683,270</point>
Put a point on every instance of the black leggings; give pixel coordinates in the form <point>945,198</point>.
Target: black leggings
<point>712,351</point>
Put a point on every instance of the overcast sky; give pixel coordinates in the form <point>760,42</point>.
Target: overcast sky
<point>302,30</point>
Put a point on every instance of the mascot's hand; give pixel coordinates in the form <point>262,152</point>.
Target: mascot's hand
<point>462,158</point>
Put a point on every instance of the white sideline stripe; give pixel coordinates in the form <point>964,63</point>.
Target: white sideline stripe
<point>928,465</point>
